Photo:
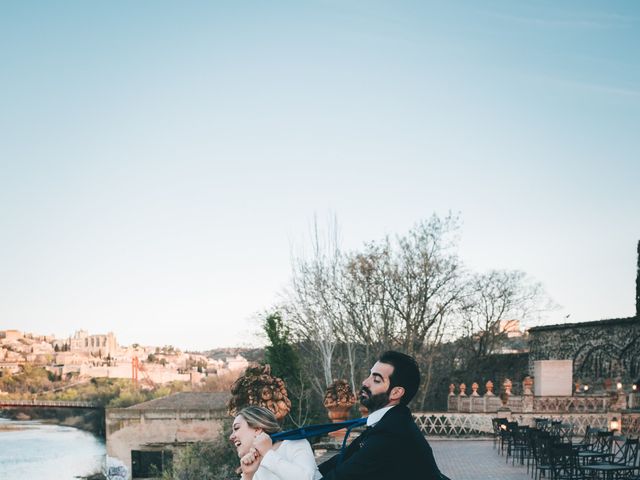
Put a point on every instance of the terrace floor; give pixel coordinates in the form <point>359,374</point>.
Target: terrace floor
<point>474,460</point>
<point>469,460</point>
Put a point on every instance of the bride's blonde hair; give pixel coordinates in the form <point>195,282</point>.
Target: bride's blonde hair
<point>260,417</point>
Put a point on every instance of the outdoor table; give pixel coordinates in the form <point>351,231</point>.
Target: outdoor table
<point>590,456</point>
<point>608,471</point>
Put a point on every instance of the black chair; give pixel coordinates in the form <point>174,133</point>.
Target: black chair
<point>554,427</point>
<point>589,438</point>
<point>564,463</point>
<point>506,430</point>
<point>564,433</point>
<point>529,455</point>
<point>510,438</point>
<point>518,444</point>
<point>622,463</point>
<point>542,423</point>
<point>539,461</point>
<point>542,456</point>
<point>599,451</point>
<point>499,428</point>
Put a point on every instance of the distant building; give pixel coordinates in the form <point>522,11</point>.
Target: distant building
<point>9,368</point>
<point>237,363</point>
<point>511,328</point>
<point>70,358</point>
<point>41,348</point>
<point>10,356</point>
<point>98,345</point>
<point>11,334</point>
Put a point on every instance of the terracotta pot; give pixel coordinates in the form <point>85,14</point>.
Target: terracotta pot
<point>338,414</point>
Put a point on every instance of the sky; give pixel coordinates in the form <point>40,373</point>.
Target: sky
<point>160,161</point>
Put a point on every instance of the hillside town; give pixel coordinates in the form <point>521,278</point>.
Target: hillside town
<point>83,356</point>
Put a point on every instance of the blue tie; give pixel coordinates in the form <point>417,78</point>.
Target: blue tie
<point>346,436</point>
<point>318,430</point>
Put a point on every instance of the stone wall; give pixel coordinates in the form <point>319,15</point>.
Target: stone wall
<point>164,424</point>
<point>129,430</point>
<point>600,350</point>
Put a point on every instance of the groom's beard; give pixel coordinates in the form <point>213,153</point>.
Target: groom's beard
<point>373,402</point>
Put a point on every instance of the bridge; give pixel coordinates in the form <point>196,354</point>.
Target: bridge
<point>48,404</point>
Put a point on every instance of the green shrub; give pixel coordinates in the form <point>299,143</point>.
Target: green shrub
<point>206,461</point>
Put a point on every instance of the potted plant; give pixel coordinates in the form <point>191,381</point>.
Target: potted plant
<point>338,400</point>
<point>258,387</point>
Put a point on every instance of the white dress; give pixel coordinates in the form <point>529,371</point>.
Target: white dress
<point>293,460</point>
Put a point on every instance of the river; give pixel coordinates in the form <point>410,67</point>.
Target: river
<point>31,450</point>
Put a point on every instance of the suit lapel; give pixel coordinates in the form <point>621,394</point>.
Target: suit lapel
<point>360,442</point>
<point>362,439</point>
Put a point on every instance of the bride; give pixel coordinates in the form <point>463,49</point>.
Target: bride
<point>260,458</point>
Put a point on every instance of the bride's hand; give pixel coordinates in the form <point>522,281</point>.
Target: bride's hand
<point>262,443</point>
<point>249,464</point>
<point>250,457</point>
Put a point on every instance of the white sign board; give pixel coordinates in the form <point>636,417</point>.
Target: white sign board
<point>114,469</point>
<point>553,378</point>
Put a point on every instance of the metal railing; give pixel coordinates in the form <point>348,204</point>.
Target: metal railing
<point>447,424</point>
<point>454,424</point>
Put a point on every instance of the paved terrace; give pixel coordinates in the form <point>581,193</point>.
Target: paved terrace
<point>474,460</point>
<point>471,460</point>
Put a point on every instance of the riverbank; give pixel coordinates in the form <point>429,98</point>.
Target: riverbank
<point>91,421</point>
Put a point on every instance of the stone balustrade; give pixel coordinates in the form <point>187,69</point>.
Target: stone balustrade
<point>529,403</point>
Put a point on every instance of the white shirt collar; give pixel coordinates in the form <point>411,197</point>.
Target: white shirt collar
<point>376,416</point>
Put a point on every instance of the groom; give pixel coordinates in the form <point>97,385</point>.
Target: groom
<point>392,445</point>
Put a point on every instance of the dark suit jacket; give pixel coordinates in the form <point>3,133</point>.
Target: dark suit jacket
<point>392,449</point>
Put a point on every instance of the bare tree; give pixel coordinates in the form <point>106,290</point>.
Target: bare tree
<point>396,293</point>
<point>409,292</point>
<point>310,305</point>
<point>362,326</point>
<point>494,302</point>
<point>420,276</point>
<point>365,298</point>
